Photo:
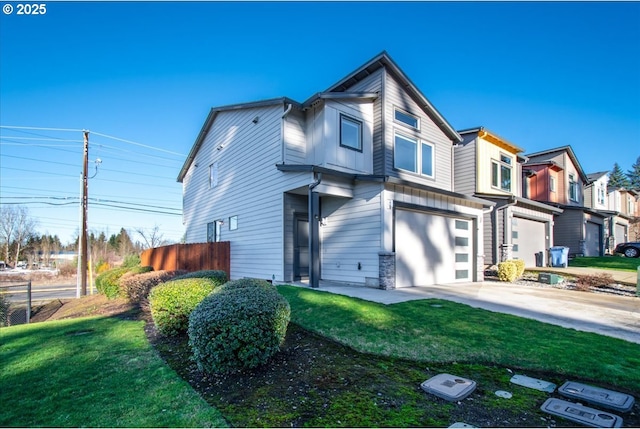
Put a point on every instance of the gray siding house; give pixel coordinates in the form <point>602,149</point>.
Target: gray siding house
<point>353,185</point>
<point>489,167</point>
<point>558,179</point>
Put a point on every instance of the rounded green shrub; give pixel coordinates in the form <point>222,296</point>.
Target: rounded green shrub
<point>520,266</point>
<point>108,282</point>
<point>237,329</point>
<point>136,287</point>
<point>172,302</point>
<point>218,276</point>
<point>247,282</point>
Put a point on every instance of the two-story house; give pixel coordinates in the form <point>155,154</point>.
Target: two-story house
<point>353,185</point>
<point>556,178</point>
<point>489,167</point>
<point>608,201</point>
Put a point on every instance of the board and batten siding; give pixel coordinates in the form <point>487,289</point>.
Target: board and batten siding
<point>487,153</point>
<point>351,235</point>
<point>374,84</point>
<point>249,187</point>
<point>396,97</point>
<point>465,166</point>
<point>295,140</point>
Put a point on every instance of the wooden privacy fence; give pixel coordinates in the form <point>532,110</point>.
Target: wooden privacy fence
<point>190,257</point>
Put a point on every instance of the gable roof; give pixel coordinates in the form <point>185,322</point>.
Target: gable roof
<point>338,90</point>
<point>569,152</point>
<point>595,176</point>
<point>384,60</point>
<point>492,137</point>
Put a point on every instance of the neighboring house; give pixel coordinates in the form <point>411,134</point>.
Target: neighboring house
<point>353,185</point>
<point>608,201</point>
<point>556,178</point>
<point>489,167</point>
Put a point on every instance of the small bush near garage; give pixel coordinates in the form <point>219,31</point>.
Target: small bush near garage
<point>218,276</point>
<point>587,282</point>
<point>236,329</point>
<point>519,263</point>
<point>507,271</point>
<point>172,302</point>
<point>247,283</point>
<point>108,283</point>
<point>136,287</point>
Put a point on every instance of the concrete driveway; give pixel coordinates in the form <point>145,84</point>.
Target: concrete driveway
<point>610,315</point>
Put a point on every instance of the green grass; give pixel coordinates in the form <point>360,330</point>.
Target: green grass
<point>443,331</point>
<point>95,372</point>
<point>607,262</point>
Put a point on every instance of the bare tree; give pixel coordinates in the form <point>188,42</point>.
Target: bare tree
<point>16,226</point>
<point>152,238</point>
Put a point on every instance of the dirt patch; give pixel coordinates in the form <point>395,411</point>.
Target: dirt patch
<point>95,305</point>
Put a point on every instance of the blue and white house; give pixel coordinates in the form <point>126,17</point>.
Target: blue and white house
<point>353,185</point>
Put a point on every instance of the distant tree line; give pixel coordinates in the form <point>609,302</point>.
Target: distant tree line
<point>628,180</point>
<point>20,241</point>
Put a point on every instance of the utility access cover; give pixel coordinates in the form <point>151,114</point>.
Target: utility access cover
<point>581,414</point>
<point>597,395</point>
<point>533,383</point>
<point>449,387</point>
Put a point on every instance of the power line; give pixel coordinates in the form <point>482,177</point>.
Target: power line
<point>12,127</point>
<point>138,144</point>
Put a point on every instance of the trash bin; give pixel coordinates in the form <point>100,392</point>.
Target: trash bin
<point>559,256</point>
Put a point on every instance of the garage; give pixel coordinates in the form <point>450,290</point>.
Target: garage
<point>593,239</point>
<point>529,238</point>
<point>432,248</point>
<point>620,234</point>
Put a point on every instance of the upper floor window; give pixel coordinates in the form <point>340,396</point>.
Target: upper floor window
<point>601,195</point>
<point>214,231</point>
<point>552,183</point>
<point>413,155</point>
<point>501,173</point>
<point>213,175</point>
<point>573,188</point>
<point>350,133</point>
<point>406,119</point>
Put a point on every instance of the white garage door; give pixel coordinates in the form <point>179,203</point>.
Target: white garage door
<point>592,241</point>
<point>529,238</point>
<point>432,249</point>
<point>620,234</point>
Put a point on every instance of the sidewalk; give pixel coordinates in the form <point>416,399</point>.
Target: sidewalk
<point>614,316</point>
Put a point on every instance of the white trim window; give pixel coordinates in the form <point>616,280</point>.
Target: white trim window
<point>552,183</point>
<point>214,231</point>
<point>213,175</point>
<point>573,188</point>
<point>501,176</point>
<point>601,194</point>
<point>407,119</point>
<point>350,133</point>
<point>409,153</point>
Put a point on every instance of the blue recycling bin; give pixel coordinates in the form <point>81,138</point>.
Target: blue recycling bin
<point>559,256</point>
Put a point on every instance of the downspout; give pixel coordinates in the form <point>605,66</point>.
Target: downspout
<point>494,214</point>
<point>314,234</point>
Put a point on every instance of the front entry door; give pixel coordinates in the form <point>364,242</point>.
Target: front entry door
<point>301,248</point>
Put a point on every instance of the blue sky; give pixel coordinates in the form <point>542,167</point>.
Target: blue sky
<point>540,74</point>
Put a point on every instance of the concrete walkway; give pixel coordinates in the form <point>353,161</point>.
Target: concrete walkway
<point>610,315</point>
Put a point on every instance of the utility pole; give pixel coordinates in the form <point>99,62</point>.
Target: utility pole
<point>83,240</point>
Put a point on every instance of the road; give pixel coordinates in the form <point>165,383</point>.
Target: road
<point>44,293</point>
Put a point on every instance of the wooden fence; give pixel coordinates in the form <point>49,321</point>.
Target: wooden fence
<point>190,257</point>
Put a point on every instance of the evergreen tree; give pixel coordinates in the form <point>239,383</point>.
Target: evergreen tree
<point>634,175</point>
<point>617,177</point>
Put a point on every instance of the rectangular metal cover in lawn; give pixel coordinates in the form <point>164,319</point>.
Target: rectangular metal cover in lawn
<point>597,395</point>
<point>533,383</point>
<point>449,387</point>
<point>581,414</point>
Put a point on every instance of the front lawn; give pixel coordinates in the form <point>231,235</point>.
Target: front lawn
<point>92,372</point>
<point>444,331</point>
<point>606,262</point>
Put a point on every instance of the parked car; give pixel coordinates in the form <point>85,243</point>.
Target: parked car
<point>630,250</point>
